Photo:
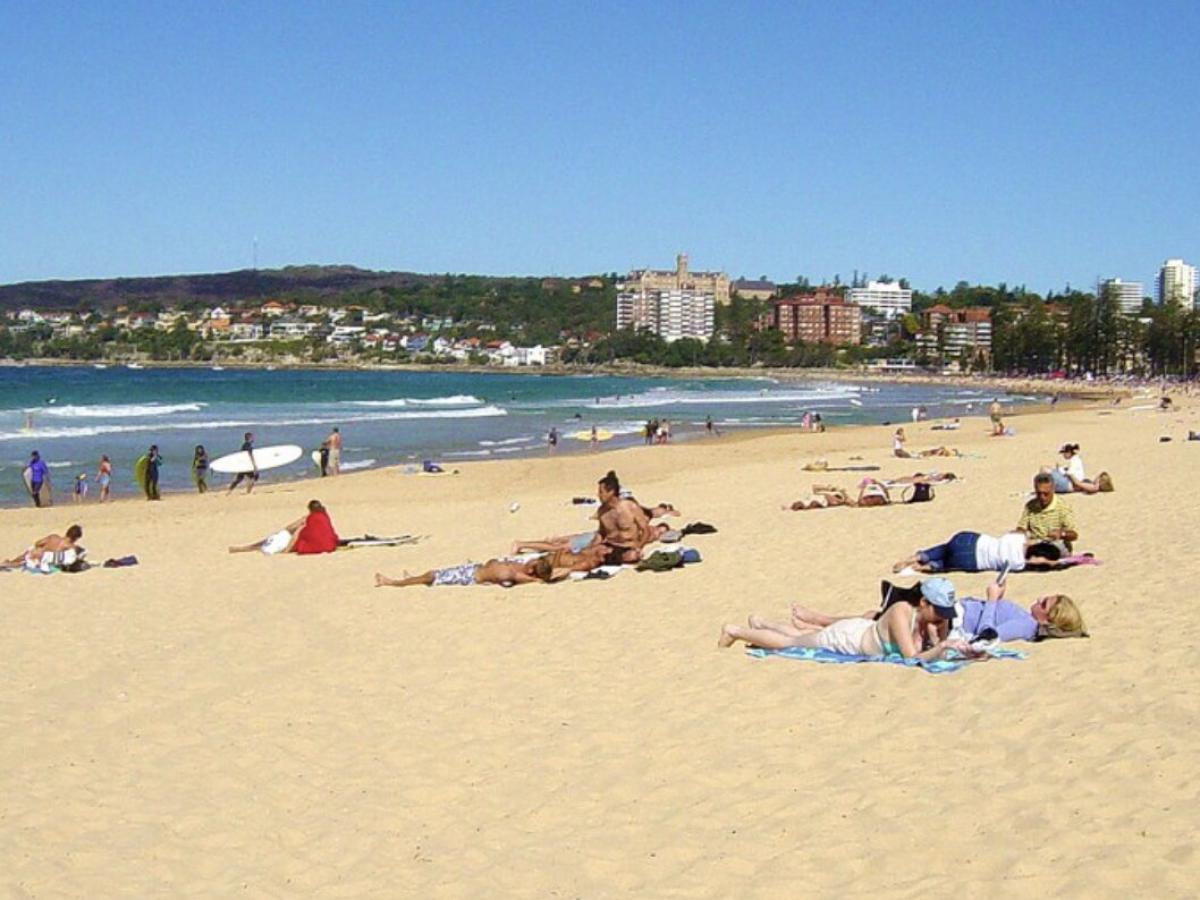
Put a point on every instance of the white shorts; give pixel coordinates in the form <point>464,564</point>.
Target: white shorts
<point>277,542</point>
<point>845,636</point>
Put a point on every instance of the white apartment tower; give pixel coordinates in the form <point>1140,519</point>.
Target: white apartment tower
<point>672,314</point>
<point>1128,294</point>
<point>1177,281</point>
<point>887,298</point>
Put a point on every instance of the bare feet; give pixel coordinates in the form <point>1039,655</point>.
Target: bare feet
<point>381,580</point>
<point>726,639</point>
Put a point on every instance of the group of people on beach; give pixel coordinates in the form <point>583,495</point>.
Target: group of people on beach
<point>624,528</point>
<point>927,621</point>
<point>148,466</point>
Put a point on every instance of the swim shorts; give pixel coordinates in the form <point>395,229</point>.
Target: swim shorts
<point>276,543</point>
<point>457,575</point>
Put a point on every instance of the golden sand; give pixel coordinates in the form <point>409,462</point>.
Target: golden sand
<point>210,725</point>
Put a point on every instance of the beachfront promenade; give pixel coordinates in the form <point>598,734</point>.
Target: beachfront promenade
<point>215,724</point>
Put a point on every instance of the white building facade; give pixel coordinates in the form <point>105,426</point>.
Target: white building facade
<point>672,314</point>
<point>887,298</point>
<point>1128,294</point>
<point>1177,281</point>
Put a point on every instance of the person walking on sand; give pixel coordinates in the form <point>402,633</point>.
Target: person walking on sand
<point>994,412</point>
<point>200,469</point>
<point>252,476</point>
<point>104,477</point>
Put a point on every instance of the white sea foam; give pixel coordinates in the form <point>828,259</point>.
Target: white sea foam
<point>60,465</point>
<point>92,431</point>
<point>452,400</point>
<point>506,441</point>
<point>357,464</point>
<point>120,410</point>
<point>665,396</point>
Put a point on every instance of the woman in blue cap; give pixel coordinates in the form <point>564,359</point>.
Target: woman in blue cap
<point>898,631</point>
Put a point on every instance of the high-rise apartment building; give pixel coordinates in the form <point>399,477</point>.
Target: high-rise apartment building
<point>1177,281</point>
<point>682,279</point>
<point>885,297</point>
<point>1127,293</point>
<point>672,314</point>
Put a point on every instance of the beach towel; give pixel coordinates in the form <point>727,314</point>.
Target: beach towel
<point>934,667</point>
<point>317,535</point>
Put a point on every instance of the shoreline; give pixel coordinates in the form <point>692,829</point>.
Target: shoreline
<point>1003,383</point>
<point>538,454</point>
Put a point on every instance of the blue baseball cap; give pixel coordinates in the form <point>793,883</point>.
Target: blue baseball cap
<point>940,594</point>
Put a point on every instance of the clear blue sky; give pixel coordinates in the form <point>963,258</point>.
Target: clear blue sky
<point>1034,143</point>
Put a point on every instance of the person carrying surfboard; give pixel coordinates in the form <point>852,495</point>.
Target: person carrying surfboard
<point>36,477</point>
<point>252,475</point>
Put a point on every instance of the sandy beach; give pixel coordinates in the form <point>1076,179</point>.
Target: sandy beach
<point>206,724</point>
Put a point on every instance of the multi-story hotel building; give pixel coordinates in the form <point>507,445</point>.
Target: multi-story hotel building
<point>818,318</point>
<point>682,279</point>
<point>885,297</point>
<point>1127,293</point>
<point>1177,281</point>
<point>672,314</point>
<point>969,328</point>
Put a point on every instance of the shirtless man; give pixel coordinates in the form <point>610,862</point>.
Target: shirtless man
<point>494,571</point>
<point>51,543</point>
<point>623,524</point>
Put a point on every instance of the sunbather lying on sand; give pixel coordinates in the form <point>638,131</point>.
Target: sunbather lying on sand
<point>870,493</point>
<point>577,543</point>
<point>51,543</point>
<point>970,551</point>
<point>1051,616</point>
<point>899,630</point>
<point>494,571</point>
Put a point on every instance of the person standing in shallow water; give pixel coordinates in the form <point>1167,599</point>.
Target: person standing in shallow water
<point>153,462</point>
<point>200,469</point>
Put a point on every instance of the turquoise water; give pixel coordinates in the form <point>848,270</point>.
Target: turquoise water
<point>78,413</point>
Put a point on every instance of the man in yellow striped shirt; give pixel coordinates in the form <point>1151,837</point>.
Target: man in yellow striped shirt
<point>1046,517</point>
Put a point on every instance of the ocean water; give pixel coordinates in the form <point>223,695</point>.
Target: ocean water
<point>72,415</point>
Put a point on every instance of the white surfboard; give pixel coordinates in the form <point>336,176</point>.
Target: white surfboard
<point>266,457</point>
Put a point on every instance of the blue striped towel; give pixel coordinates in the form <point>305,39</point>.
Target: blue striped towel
<point>936,667</point>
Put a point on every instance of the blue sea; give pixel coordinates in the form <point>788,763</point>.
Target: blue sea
<point>72,415</point>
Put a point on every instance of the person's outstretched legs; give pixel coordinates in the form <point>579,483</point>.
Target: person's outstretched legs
<point>425,578</point>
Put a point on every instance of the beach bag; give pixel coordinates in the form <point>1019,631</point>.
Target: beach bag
<point>691,556</point>
<point>918,493</point>
<point>661,561</point>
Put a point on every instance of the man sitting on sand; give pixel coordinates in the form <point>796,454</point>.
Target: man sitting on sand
<point>311,534</point>
<point>623,525</point>
<point>494,571</point>
<point>1047,517</point>
<point>51,543</point>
